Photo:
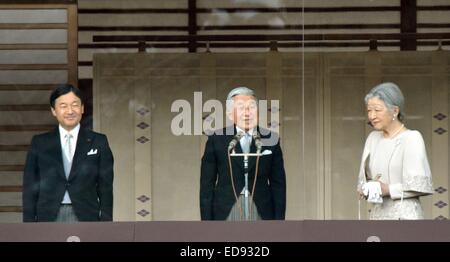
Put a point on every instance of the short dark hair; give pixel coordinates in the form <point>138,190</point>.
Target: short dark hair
<point>61,90</point>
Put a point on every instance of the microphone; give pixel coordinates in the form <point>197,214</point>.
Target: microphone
<point>234,141</point>
<point>258,142</point>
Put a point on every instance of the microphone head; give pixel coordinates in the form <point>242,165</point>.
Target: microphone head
<point>255,135</point>
<point>235,140</point>
<point>258,142</point>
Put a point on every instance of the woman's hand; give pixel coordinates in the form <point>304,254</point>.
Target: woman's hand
<point>361,195</point>
<point>384,189</point>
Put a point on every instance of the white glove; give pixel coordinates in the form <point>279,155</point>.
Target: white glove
<point>372,190</point>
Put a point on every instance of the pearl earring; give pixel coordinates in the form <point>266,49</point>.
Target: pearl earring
<point>393,119</point>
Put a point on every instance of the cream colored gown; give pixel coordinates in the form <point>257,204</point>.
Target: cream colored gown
<point>402,163</point>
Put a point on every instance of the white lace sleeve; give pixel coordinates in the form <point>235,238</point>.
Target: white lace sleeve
<point>416,170</point>
<point>396,190</point>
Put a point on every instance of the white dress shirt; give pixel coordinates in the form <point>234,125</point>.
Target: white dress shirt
<point>242,142</point>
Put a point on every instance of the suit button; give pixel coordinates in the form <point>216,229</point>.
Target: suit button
<point>67,184</point>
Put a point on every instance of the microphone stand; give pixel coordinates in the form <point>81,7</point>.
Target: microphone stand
<point>246,202</point>
<point>246,191</point>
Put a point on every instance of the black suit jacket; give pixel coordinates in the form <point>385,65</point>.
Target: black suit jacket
<point>216,192</point>
<point>90,183</point>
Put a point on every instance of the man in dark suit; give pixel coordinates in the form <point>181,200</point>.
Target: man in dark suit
<point>221,189</point>
<point>68,174</point>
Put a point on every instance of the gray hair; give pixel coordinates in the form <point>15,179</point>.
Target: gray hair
<point>391,95</point>
<point>242,90</point>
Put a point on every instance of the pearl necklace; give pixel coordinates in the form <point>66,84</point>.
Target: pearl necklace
<point>396,132</point>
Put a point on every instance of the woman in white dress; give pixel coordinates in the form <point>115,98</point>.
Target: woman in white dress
<point>394,169</point>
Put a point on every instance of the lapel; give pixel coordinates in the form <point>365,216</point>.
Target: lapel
<point>84,142</point>
<point>54,145</point>
<point>252,160</point>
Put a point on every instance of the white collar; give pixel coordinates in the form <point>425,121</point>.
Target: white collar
<point>74,132</point>
<point>250,131</point>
